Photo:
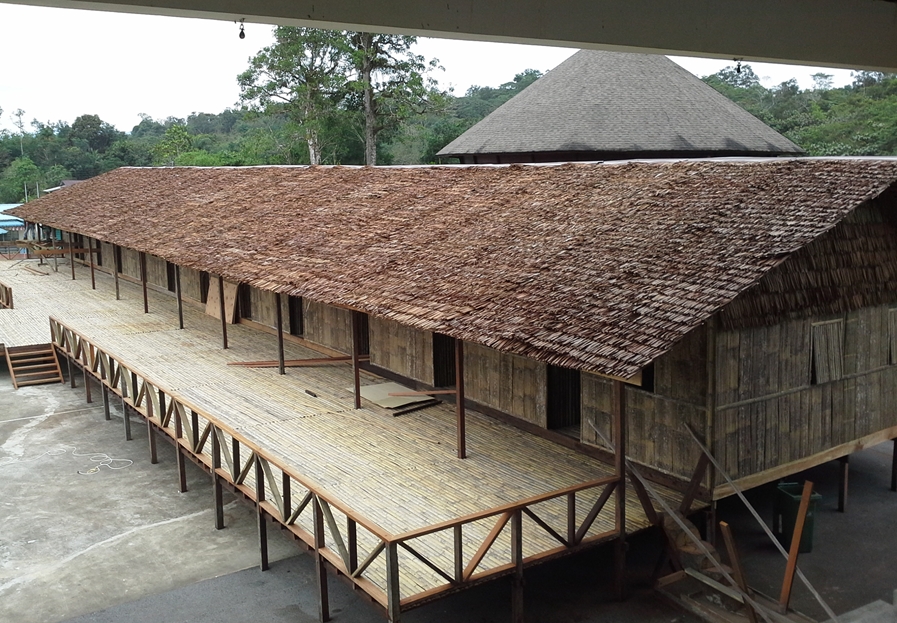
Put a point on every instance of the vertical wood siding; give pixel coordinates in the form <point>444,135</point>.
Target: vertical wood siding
<point>509,383</point>
<point>401,349</point>
<point>328,326</point>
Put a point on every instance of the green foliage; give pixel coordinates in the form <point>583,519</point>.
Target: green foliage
<point>175,142</point>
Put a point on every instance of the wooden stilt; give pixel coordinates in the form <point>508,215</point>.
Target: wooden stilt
<point>106,413</point>
<point>393,596</point>
<point>93,279</point>
<point>178,293</point>
<point>791,567</point>
<point>280,359</point>
<point>844,469</point>
<point>72,254</point>
<point>72,368</point>
<point>352,543</point>
<point>151,435</point>
<point>221,310</point>
<point>143,282</point>
<point>287,498</point>
<point>735,563</point>
<point>124,410</point>
<point>216,481</point>
<point>55,255</point>
<point>179,453</point>
<point>320,569</point>
<point>116,268</point>
<point>88,397</point>
<point>619,406</point>
<point>263,521</point>
<point>517,609</point>
<point>356,348</point>
<point>460,412</point>
<point>894,467</point>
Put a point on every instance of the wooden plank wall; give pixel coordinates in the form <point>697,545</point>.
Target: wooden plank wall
<point>263,306</point>
<point>402,349</point>
<point>769,413</point>
<point>190,284</point>
<point>156,271</point>
<point>329,326</point>
<point>509,383</point>
<point>656,433</point>
<point>130,262</point>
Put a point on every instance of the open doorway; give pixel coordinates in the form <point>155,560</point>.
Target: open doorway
<point>564,408</point>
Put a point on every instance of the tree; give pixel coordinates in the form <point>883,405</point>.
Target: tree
<point>302,74</point>
<point>18,114</point>
<point>98,134</point>
<point>391,82</point>
<point>175,142</point>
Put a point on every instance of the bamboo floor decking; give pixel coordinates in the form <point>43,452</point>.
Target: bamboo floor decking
<point>396,475</point>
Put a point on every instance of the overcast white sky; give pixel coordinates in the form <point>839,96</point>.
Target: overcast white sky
<point>58,64</point>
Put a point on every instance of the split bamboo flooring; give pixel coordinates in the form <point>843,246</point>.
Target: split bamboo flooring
<point>399,473</point>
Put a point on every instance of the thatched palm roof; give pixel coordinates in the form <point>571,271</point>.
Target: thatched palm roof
<point>610,105</point>
<point>600,267</point>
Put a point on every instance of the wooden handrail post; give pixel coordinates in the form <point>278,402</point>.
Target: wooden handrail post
<point>263,522</point>
<point>216,479</point>
<point>460,413</point>
<point>517,609</point>
<point>619,406</point>
<point>791,567</point>
<point>320,569</point>
<point>393,594</point>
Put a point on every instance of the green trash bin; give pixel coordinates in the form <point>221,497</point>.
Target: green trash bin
<point>785,508</point>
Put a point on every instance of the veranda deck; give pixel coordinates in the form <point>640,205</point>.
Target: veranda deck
<point>393,483</point>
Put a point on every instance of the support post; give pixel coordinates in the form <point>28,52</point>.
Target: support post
<point>116,268</point>
<point>619,405</point>
<point>177,291</point>
<point>356,347</point>
<point>106,413</point>
<point>791,567</point>
<point>221,310</point>
<point>88,397</point>
<point>393,594</point>
<point>72,368</point>
<point>151,435</point>
<point>281,365</point>
<point>320,569</point>
<point>72,254</point>
<point>517,611</point>
<point>179,454</point>
<point>460,413</point>
<point>894,467</point>
<point>143,282</point>
<point>263,522</point>
<point>55,254</point>
<point>352,544</point>
<point>459,552</point>
<point>93,278</point>
<point>844,469</point>
<point>216,480</point>
<point>737,571</point>
<point>124,410</point>
<point>571,518</point>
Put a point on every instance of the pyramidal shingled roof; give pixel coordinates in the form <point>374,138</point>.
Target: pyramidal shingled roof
<point>620,105</point>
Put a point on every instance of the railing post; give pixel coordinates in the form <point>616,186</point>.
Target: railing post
<point>263,523</point>
<point>320,569</point>
<point>459,552</point>
<point>182,467</point>
<point>393,589</point>
<point>517,611</point>
<point>571,518</point>
<point>352,543</point>
<point>216,479</point>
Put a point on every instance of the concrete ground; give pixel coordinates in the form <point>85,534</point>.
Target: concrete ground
<point>90,531</point>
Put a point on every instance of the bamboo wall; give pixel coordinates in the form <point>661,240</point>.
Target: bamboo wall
<point>130,262</point>
<point>156,271</point>
<point>401,349</point>
<point>769,410</point>
<point>656,433</point>
<point>108,256</point>
<point>328,326</point>
<point>191,287</point>
<point>509,383</point>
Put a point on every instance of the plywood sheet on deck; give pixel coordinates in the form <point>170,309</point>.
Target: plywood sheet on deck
<point>379,394</point>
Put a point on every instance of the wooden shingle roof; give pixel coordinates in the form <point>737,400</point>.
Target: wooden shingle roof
<point>611,105</point>
<point>601,267</point>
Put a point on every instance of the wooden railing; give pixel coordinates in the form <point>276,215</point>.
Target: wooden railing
<point>5,295</point>
<point>314,515</point>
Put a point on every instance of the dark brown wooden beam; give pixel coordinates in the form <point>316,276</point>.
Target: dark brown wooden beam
<point>116,269</point>
<point>737,571</point>
<point>695,483</point>
<point>216,480</point>
<point>143,282</point>
<point>72,254</point>
<point>106,413</point>
<point>281,365</point>
<point>221,311</point>
<point>791,567</point>
<point>296,363</point>
<point>93,279</point>
<point>179,295</point>
<point>843,471</point>
<point>894,467</point>
<point>356,353</point>
<point>518,614</point>
<point>460,413</point>
<point>320,569</point>
<point>619,406</point>
<point>151,437</point>
<point>263,521</point>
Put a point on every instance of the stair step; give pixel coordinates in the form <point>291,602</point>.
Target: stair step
<point>39,359</point>
<point>16,362</point>
<point>51,365</point>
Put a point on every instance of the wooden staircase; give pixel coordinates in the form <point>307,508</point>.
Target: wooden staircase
<point>33,365</point>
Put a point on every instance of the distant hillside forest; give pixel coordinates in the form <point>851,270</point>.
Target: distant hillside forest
<point>859,119</point>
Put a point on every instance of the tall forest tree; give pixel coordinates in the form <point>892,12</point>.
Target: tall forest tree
<point>304,74</point>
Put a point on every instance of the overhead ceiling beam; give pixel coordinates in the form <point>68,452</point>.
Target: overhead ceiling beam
<point>838,33</point>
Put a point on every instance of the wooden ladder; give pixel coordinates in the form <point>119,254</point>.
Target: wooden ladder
<point>33,365</point>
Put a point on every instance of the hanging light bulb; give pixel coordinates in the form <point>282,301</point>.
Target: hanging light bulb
<point>242,33</point>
